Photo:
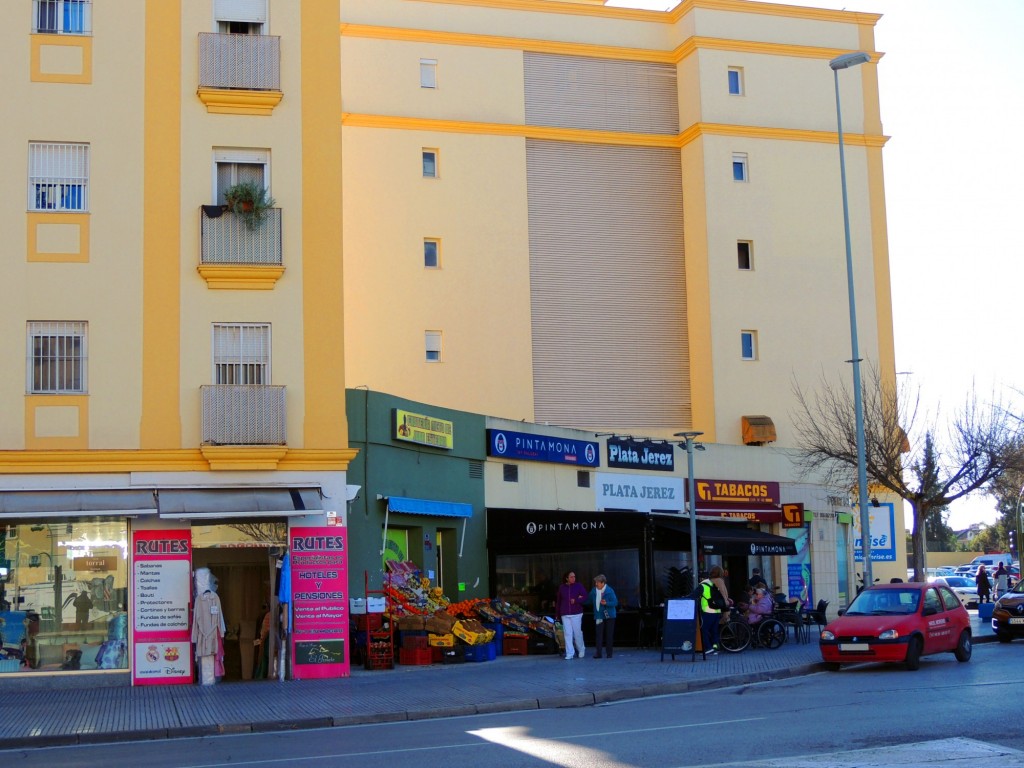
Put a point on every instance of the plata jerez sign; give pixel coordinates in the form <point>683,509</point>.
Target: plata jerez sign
<point>627,453</point>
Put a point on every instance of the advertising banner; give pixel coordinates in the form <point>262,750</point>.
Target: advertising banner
<point>643,493</point>
<point>319,571</point>
<point>506,444</point>
<point>423,430</point>
<point>627,453</point>
<point>882,527</point>
<point>161,596</point>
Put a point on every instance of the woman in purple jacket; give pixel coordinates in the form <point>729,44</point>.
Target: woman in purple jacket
<point>569,609</point>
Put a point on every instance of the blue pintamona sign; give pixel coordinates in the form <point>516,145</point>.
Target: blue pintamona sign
<point>505,444</point>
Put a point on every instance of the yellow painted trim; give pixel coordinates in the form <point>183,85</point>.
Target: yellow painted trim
<point>38,41</point>
<point>698,294</point>
<point>239,102</point>
<point>160,425</point>
<point>325,425</point>
<point>508,43</point>
<point>36,402</point>
<point>35,218</point>
<point>570,7</point>
<point>680,52</point>
<point>39,462</point>
<point>581,135</point>
<point>243,457</point>
<point>773,9</point>
<point>240,277</point>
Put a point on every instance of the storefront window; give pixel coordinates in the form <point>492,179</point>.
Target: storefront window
<point>64,597</point>
<point>531,581</point>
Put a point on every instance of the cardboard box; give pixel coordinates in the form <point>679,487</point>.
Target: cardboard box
<point>440,623</point>
<point>409,622</point>
<point>441,641</point>
<point>375,604</point>
<point>356,605</point>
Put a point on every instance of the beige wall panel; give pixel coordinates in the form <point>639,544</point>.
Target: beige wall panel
<point>791,210</point>
<point>57,421</point>
<point>766,28</point>
<point>807,102</point>
<point>201,307</point>
<point>479,298</point>
<point>540,486</point>
<point>58,238</point>
<point>382,77</point>
<point>570,27</point>
<point>61,59</point>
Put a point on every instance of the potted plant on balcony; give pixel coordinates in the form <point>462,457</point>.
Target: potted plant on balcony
<point>250,202</point>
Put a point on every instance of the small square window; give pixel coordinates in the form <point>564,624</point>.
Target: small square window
<point>582,479</point>
<point>510,473</point>
<point>735,81</point>
<point>431,253</point>
<point>57,357</point>
<point>748,345</point>
<point>430,164</point>
<point>744,254</point>
<point>428,73</point>
<point>739,166</point>
<point>432,341</point>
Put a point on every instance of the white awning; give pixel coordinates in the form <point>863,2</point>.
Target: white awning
<point>214,503</point>
<point>102,502</point>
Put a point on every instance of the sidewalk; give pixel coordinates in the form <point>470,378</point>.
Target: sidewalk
<point>47,712</point>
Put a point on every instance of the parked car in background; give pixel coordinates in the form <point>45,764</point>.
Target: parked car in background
<point>898,623</point>
<point>967,571</point>
<point>991,562</point>
<point>943,570</point>
<point>963,587</point>
<point>1008,614</point>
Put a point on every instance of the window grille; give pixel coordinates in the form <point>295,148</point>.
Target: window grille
<point>58,177</point>
<point>62,17</point>
<point>241,353</point>
<point>57,354</point>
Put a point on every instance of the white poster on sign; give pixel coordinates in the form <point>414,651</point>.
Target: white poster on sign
<point>643,493</point>
<point>161,605</point>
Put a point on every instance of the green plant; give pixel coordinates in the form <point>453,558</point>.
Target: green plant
<point>250,202</point>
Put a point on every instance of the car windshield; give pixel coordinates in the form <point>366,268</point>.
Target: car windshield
<point>885,602</point>
<point>958,581</point>
<point>1018,587</point>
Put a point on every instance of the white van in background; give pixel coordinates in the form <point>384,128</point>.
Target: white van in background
<point>991,562</point>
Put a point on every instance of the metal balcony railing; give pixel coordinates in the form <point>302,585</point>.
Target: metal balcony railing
<point>226,239</point>
<point>251,62</point>
<point>244,414</point>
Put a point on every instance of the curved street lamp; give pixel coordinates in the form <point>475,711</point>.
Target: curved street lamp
<point>846,61</point>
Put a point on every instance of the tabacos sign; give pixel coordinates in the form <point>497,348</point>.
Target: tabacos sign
<point>739,494</point>
<point>627,453</point>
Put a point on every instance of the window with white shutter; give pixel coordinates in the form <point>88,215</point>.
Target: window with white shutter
<point>58,177</point>
<point>241,353</point>
<point>57,355</point>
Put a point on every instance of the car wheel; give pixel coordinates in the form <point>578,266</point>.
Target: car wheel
<point>1004,637</point>
<point>833,666</point>
<point>963,647</point>
<point>914,649</point>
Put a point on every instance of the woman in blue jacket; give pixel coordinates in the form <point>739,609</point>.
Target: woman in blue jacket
<point>604,602</point>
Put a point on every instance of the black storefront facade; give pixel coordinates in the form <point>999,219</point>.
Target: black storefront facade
<point>645,556</point>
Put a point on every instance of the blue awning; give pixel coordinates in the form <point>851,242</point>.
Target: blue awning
<point>426,507</point>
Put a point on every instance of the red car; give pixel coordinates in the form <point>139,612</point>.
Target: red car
<point>898,623</point>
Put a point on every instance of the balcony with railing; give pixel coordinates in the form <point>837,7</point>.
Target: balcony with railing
<point>234,255</point>
<point>244,414</point>
<point>239,74</point>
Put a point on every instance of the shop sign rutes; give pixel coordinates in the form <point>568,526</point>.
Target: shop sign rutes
<point>525,446</point>
<point>161,594</point>
<point>319,580</point>
<point>422,430</point>
<point>643,493</point>
<point>627,453</point>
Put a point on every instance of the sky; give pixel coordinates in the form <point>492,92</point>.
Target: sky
<point>951,85</point>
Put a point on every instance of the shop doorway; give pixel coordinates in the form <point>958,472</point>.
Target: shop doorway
<point>243,560</point>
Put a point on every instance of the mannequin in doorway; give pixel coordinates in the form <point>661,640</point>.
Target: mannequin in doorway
<point>207,627</point>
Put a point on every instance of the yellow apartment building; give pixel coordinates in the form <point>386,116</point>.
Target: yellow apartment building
<point>172,395</point>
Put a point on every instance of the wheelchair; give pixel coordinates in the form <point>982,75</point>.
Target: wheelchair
<point>737,634</point>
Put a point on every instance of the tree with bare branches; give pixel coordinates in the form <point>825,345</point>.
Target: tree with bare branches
<point>926,464</point>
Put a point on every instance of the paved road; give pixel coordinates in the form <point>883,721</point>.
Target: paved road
<point>37,711</point>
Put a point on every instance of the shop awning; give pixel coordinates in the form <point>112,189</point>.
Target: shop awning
<point>407,506</point>
<point>213,503</point>
<point>426,507</point>
<point>740,540</point>
<point>726,539</point>
<point>105,502</point>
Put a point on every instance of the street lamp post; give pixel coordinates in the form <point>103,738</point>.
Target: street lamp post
<point>688,445</point>
<point>846,61</point>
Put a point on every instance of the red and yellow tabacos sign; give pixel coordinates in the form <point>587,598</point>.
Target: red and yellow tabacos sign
<point>755,500</point>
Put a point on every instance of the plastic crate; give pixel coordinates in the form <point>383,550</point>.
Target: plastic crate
<point>541,644</point>
<point>484,652</point>
<point>10,665</point>
<point>414,642</point>
<point>366,621</point>
<point>499,635</point>
<point>452,655</point>
<point>415,656</point>
<point>514,645</point>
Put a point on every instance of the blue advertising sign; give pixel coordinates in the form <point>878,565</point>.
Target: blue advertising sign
<point>882,522</point>
<point>505,444</point>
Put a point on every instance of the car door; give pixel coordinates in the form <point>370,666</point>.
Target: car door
<point>937,623</point>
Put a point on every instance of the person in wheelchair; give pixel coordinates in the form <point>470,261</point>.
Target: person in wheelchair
<point>762,605</point>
